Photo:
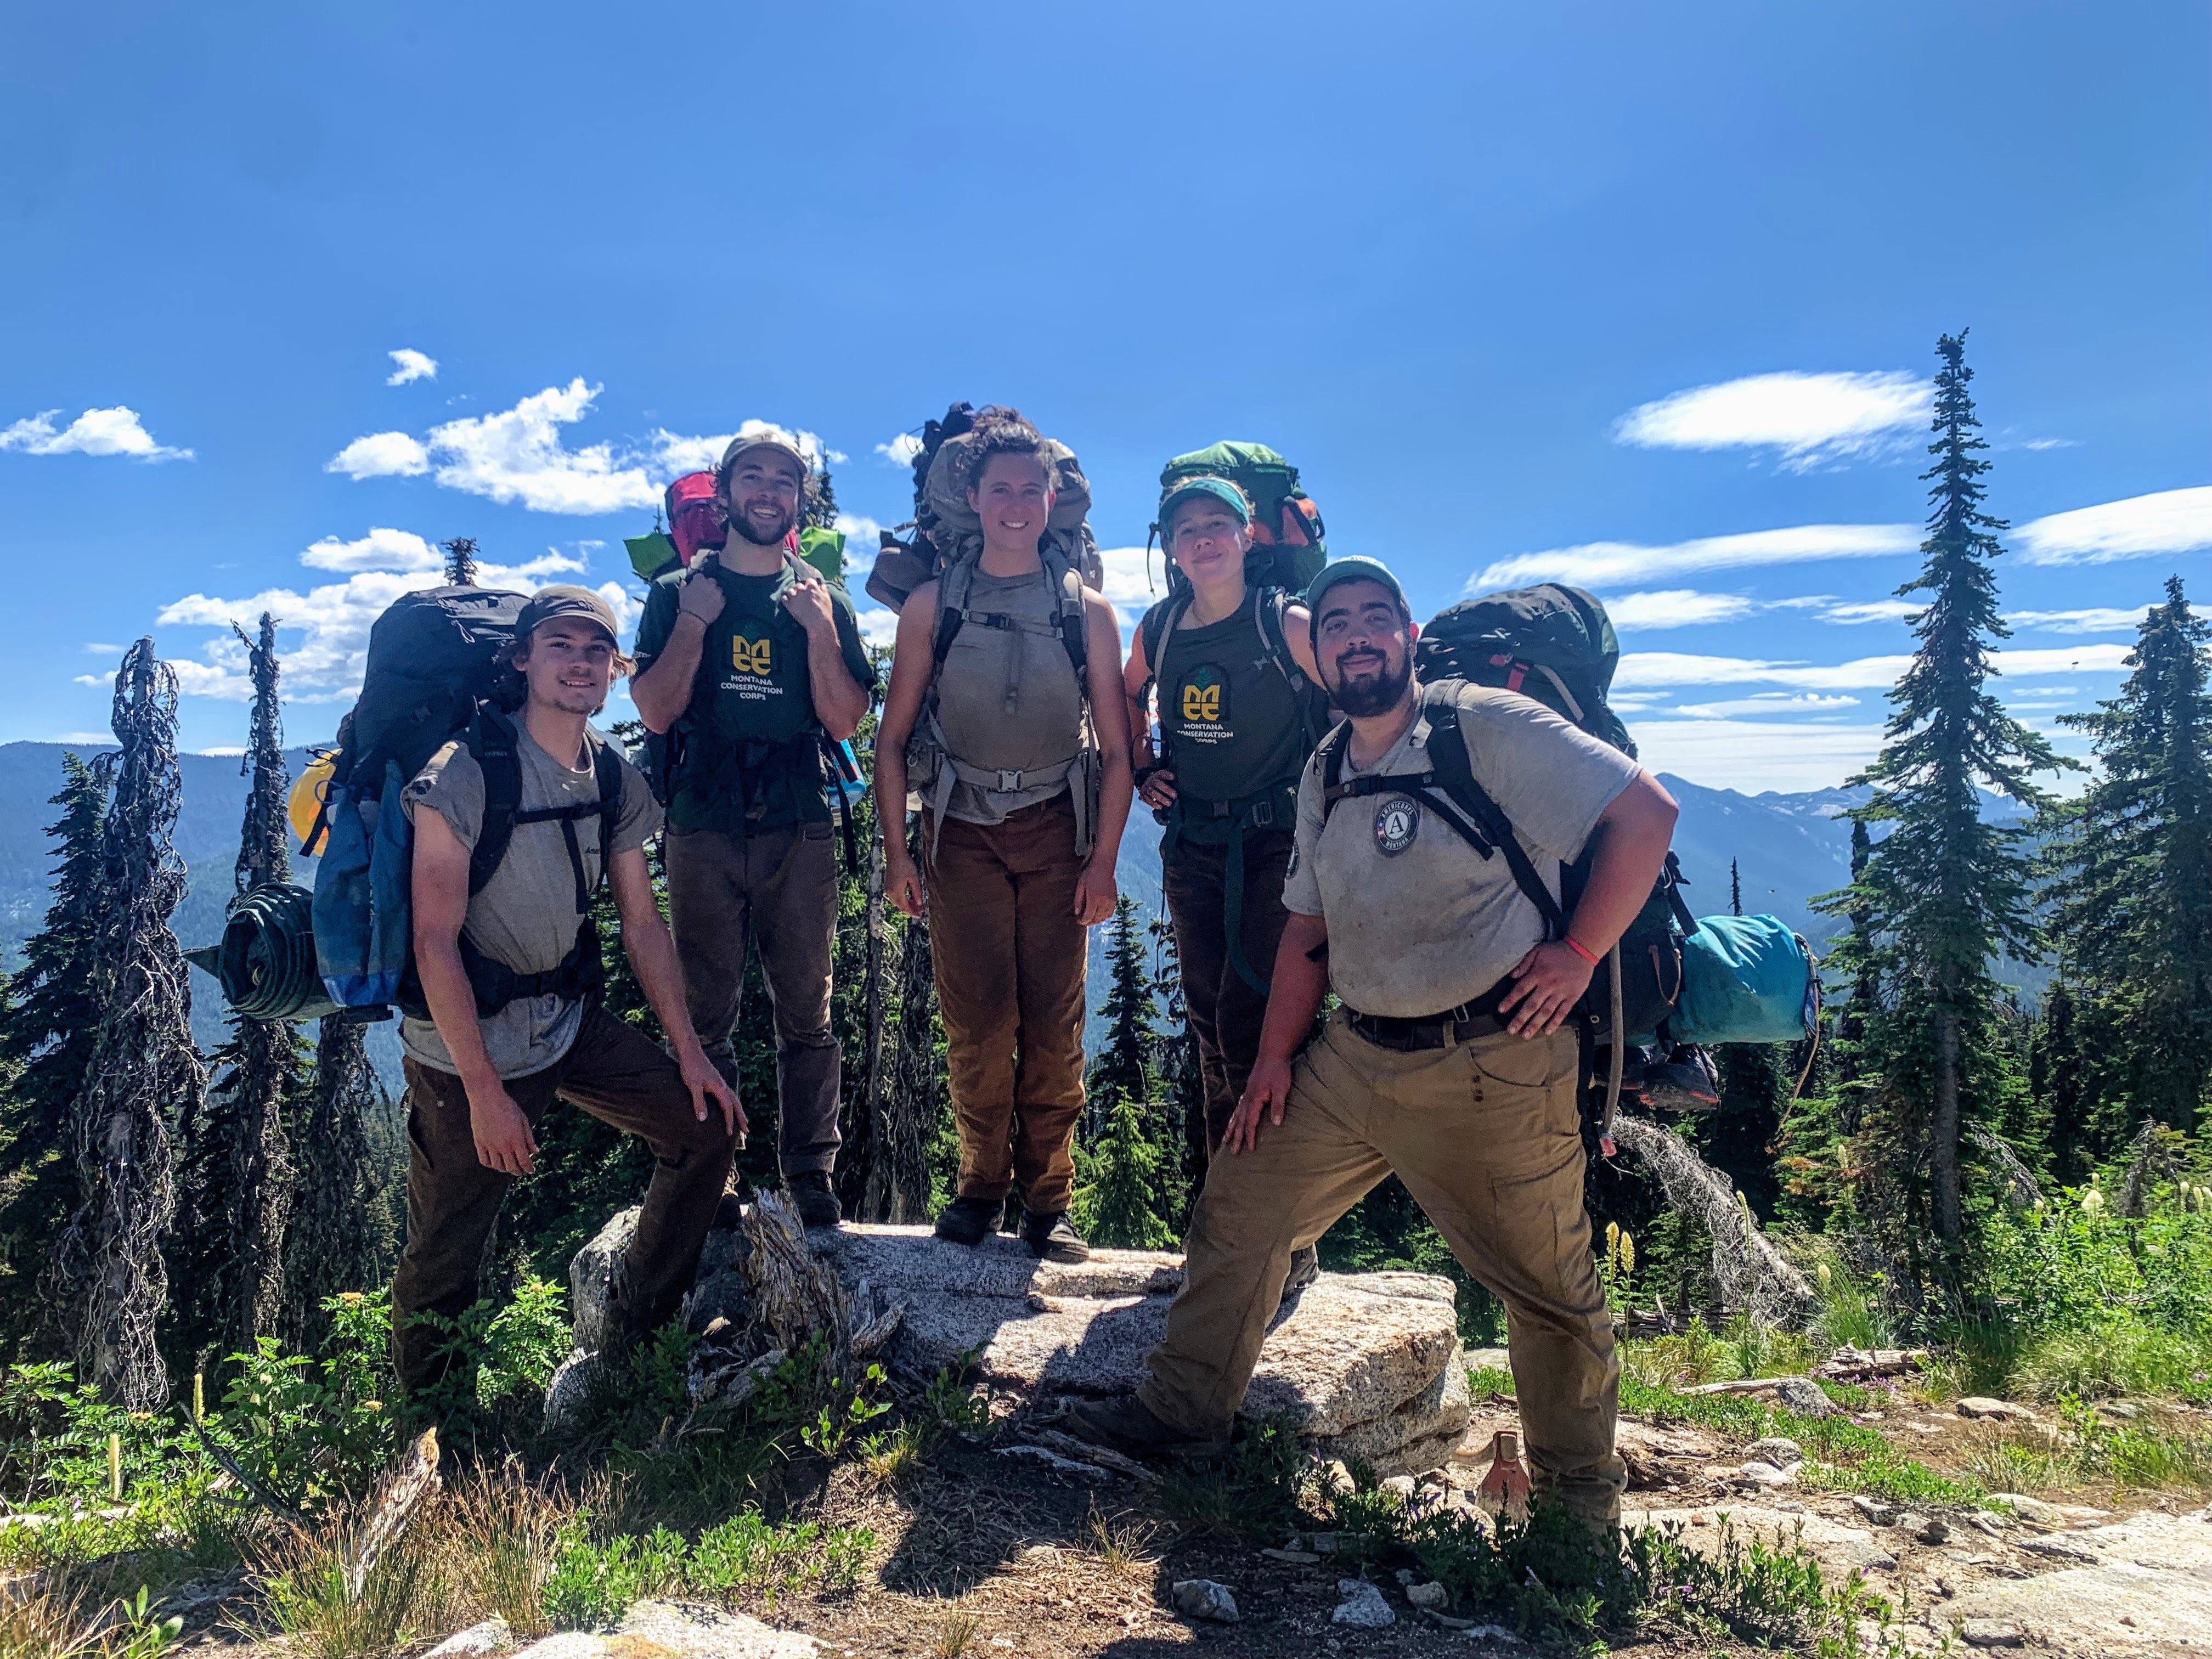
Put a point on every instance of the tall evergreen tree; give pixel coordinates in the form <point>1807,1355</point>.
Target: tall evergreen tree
<point>460,561</point>
<point>234,1188</point>
<point>1124,1071</point>
<point>2133,862</point>
<point>1736,890</point>
<point>48,1019</point>
<point>1132,1162</point>
<point>2055,1075</point>
<point>1945,890</point>
<point>144,1074</point>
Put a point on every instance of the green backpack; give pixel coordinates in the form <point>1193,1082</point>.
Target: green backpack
<point>1288,544</point>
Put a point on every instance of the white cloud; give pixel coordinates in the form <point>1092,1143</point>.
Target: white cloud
<point>77,738</point>
<point>1644,669</point>
<point>1812,419</point>
<point>902,450</point>
<point>1753,755</point>
<point>671,454</point>
<point>379,549</point>
<point>2065,659</point>
<point>115,431</point>
<point>380,455</point>
<point>1676,607</point>
<point>2095,620</point>
<point>222,751</point>
<point>1600,564</point>
<point>2141,527</point>
<point>879,627</point>
<point>1768,703</point>
<point>1873,611</point>
<point>412,366</point>
<point>103,650</point>
<point>1127,587</point>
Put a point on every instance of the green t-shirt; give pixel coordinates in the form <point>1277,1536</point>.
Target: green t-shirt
<point>738,761</point>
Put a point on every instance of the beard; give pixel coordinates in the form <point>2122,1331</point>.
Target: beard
<point>1365,698</point>
<point>742,523</point>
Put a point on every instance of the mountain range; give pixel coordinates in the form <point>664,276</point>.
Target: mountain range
<point>1788,849</point>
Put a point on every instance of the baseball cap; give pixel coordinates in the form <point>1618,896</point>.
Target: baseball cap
<point>758,434</point>
<point>1352,568</point>
<point>564,600</point>
<point>1220,491</point>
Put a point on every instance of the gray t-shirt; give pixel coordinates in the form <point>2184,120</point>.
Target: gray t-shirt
<point>526,915</point>
<point>1418,921</point>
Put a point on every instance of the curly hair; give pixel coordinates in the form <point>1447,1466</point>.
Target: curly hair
<point>1003,431</point>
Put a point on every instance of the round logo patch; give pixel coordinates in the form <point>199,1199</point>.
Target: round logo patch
<point>1397,821</point>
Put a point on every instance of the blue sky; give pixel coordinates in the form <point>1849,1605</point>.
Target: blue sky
<point>1644,297</point>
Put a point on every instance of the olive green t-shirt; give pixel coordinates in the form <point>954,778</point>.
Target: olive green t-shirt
<point>751,690</point>
<point>526,915</point>
<point>1418,921</point>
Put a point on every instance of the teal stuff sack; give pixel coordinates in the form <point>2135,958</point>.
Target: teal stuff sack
<point>1746,979</point>
<point>362,924</point>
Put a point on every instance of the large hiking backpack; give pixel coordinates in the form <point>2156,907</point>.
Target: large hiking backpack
<point>433,674</point>
<point>1552,643</point>
<point>945,528</point>
<point>1289,544</point>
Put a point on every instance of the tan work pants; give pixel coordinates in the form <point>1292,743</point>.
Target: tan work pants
<point>1009,953</point>
<point>1486,1137</point>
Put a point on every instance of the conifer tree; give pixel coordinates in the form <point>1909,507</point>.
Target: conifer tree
<point>1118,1205</point>
<point>341,1237</point>
<point>1736,890</point>
<point>1124,1071</point>
<point>2055,1075</point>
<point>1945,892</point>
<point>235,1190</point>
<point>144,1074</point>
<point>1129,1197</point>
<point>1175,1063</point>
<point>2133,862</point>
<point>460,561</point>
<point>48,1019</point>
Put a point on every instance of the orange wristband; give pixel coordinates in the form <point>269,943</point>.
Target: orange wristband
<point>1580,949</point>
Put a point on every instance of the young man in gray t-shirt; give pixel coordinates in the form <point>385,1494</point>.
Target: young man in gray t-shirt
<point>508,974</point>
<point>1448,1063</point>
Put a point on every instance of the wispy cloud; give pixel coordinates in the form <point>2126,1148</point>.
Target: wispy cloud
<point>2095,620</point>
<point>1810,420</point>
<point>1603,564</point>
<point>379,549</point>
<point>1768,704</point>
<point>1754,755</point>
<point>1677,607</point>
<point>1642,670</point>
<point>116,431</point>
<point>412,366</point>
<point>2141,527</point>
<point>902,450</point>
<point>1872,610</point>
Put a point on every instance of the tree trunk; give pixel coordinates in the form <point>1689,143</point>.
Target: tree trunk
<point>1943,1127</point>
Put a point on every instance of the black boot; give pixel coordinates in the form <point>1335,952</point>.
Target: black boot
<point>968,1220</point>
<point>811,1196</point>
<point>1052,1238</point>
<point>1126,1424</point>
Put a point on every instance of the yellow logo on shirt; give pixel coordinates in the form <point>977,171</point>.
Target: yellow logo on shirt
<point>751,656</point>
<point>1201,702</point>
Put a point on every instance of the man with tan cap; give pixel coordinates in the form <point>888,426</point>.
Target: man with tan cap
<point>749,665</point>
<point>504,1011</point>
<point>1450,1062</point>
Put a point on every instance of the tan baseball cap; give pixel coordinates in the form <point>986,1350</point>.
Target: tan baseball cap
<point>563,599</point>
<point>759,434</point>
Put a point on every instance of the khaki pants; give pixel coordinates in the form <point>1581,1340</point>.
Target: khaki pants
<point>619,1076</point>
<point>779,891</point>
<point>1486,1136</point>
<point>1008,956</point>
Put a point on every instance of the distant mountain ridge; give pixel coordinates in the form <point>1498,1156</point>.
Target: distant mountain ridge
<point>1789,848</point>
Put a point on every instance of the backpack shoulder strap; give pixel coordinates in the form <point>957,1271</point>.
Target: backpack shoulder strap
<point>953,584</point>
<point>491,738</point>
<point>1330,751</point>
<point>607,765</point>
<point>1454,774</point>
<point>1074,631</point>
<point>1158,624</point>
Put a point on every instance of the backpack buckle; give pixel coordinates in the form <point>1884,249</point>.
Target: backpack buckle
<point>1010,782</point>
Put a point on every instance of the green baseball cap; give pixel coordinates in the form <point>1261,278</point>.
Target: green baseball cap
<point>1219,491</point>
<point>1352,568</point>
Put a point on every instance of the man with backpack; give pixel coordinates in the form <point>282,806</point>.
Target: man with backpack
<point>1422,820</point>
<point>1240,709</point>
<point>507,966</point>
<point>749,665</point>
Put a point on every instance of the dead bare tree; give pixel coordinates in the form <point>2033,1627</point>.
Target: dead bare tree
<point>144,1072</point>
<point>1749,1273</point>
<point>341,1236</point>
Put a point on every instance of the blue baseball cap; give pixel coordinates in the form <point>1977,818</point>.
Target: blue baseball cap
<point>1352,568</point>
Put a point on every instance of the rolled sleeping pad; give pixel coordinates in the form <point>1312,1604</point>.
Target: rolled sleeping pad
<point>1746,979</point>
<point>266,961</point>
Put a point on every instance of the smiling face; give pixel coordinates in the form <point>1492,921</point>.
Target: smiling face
<point>569,666</point>
<point>1012,495</point>
<point>1207,541</point>
<point>761,493</point>
<point>1363,645</point>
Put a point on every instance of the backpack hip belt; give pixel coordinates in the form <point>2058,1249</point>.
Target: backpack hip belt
<point>1275,807</point>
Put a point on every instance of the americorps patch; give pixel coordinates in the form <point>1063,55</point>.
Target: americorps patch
<point>1397,821</point>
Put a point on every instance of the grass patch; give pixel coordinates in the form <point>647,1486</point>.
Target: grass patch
<point>1490,1381</point>
<point>1257,1491</point>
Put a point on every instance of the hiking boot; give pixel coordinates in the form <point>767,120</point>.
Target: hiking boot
<point>968,1220</point>
<point>811,1195</point>
<point>1306,1267</point>
<point>1053,1239</point>
<point>1125,1423</point>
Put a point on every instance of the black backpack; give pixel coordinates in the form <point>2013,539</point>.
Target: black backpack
<point>1550,642</point>
<point>434,674</point>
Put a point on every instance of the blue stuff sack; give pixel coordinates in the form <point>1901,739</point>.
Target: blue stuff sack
<point>362,918</point>
<point>1746,979</point>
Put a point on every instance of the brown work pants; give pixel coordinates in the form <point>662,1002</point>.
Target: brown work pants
<point>1487,1136</point>
<point>1225,1013</point>
<point>1009,956</point>
<point>619,1076</point>
<point>777,889</point>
